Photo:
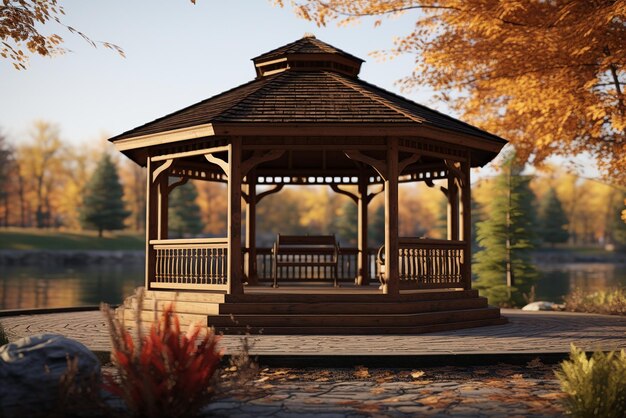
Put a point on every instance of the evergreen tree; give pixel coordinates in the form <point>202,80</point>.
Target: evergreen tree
<point>184,216</point>
<point>345,224</point>
<point>503,267</point>
<point>103,204</point>
<point>376,231</point>
<point>618,227</point>
<point>554,222</point>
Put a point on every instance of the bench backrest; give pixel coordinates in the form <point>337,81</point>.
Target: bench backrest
<point>306,240</point>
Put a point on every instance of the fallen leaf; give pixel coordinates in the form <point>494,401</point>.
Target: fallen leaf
<point>417,374</point>
<point>361,372</point>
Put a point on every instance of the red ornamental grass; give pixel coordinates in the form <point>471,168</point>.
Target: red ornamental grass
<point>168,373</point>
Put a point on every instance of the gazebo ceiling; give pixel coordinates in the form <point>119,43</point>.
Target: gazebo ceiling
<point>307,89</point>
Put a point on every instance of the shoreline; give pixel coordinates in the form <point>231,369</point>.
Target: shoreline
<point>69,257</point>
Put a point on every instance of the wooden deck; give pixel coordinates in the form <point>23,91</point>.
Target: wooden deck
<point>323,309</point>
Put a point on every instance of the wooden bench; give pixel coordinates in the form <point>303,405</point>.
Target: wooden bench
<point>310,251</point>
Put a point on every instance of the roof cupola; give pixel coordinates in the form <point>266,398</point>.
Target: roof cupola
<point>307,54</point>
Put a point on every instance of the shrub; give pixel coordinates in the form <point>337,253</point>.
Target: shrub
<point>611,301</point>
<point>596,386</point>
<point>3,336</point>
<point>166,373</point>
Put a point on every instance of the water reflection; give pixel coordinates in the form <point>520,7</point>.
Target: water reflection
<point>23,287</point>
<point>557,280</point>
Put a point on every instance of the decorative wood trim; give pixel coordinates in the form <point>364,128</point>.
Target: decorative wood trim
<point>378,165</point>
<point>177,183</point>
<point>455,169</point>
<point>374,194</point>
<point>156,173</point>
<point>276,189</point>
<point>259,157</point>
<point>407,162</point>
<point>203,151</point>
<point>219,162</point>
<point>339,190</point>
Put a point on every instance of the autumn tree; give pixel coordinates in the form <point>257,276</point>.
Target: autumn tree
<point>184,216</point>
<point>22,33</point>
<point>502,265</point>
<point>553,220</point>
<point>6,167</point>
<point>547,75</point>
<point>40,159</point>
<point>103,204</point>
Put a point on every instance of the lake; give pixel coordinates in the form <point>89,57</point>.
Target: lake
<point>25,287</point>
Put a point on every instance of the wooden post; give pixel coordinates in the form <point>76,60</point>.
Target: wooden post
<point>151,223</point>
<point>163,193</point>
<point>466,227</point>
<point>453,207</point>
<point>391,285</point>
<point>235,270</point>
<point>362,256</point>
<point>250,259</point>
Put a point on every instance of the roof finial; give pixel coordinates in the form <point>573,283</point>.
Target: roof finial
<point>308,35</point>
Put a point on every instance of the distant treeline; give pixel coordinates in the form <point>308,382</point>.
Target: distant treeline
<point>44,182</point>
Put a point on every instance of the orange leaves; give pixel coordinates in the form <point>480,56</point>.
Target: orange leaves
<point>19,31</point>
<point>545,75</point>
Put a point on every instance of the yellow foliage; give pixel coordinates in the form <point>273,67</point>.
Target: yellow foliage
<point>547,75</point>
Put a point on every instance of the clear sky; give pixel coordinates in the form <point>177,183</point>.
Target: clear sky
<point>176,54</point>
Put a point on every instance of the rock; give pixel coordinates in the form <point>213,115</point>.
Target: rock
<point>31,369</point>
<point>541,306</point>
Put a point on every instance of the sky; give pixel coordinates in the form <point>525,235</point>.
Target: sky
<point>176,54</point>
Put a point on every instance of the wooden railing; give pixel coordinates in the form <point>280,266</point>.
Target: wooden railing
<point>190,263</point>
<point>346,267</point>
<point>431,263</point>
<point>202,264</point>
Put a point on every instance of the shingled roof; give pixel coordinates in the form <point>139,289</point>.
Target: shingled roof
<point>296,96</point>
<point>309,44</point>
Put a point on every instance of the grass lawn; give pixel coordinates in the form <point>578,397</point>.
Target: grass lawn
<point>37,239</point>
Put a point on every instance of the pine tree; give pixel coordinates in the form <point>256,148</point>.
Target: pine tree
<point>103,204</point>
<point>503,267</point>
<point>376,232</point>
<point>554,222</point>
<point>618,230</point>
<point>345,224</point>
<point>184,216</point>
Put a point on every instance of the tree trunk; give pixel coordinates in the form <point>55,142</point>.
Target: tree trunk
<point>99,232</point>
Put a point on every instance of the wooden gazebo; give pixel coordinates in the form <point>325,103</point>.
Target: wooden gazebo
<point>307,119</point>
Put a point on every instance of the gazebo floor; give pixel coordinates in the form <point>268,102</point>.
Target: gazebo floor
<point>322,309</point>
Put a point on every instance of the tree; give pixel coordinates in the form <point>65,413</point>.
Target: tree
<point>376,231</point>
<point>40,170</point>
<point>6,167</point>
<point>618,224</point>
<point>103,204</point>
<point>506,237</point>
<point>554,222</point>
<point>547,75</point>
<point>345,223</point>
<point>21,31</point>
<point>184,216</point>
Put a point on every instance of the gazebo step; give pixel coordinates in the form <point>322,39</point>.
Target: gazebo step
<point>344,330</point>
<point>341,295</point>
<point>362,308</point>
<point>353,320</point>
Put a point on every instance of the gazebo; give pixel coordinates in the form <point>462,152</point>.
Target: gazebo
<point>307,119</point>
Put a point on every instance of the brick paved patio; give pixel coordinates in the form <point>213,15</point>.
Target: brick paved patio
<point>526,333</point>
